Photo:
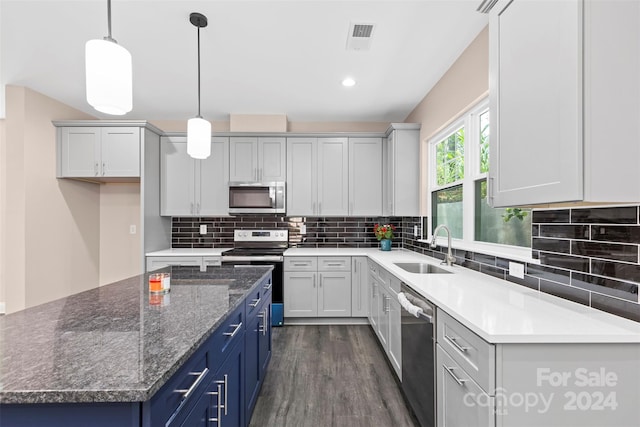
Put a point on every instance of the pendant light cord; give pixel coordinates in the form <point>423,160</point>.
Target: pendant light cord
<point>109,38</point>
<point>199,73</point>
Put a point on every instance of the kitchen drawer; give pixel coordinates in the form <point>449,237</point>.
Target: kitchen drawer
<point>214,261</point>
<point>475,355</point>
<point>374,269</point>
<point>257,297</point>
<point>230,331</point>
<point>460,400</point>
<point>156,262</point>
<point>300,263</point>
<point>334,263</point>
<point>182,389</point>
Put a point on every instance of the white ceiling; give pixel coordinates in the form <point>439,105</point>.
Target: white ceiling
<point>258,57</point>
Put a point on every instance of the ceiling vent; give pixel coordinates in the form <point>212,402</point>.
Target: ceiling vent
<point>360,36</point>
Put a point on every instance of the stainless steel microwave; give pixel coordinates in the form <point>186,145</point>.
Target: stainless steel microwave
<point>256,197</point>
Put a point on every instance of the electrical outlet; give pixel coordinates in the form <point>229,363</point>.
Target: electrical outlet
<point>303,229</point>
<point>516,270</point>
<point>415,231</point>
<point>132,229</point>
<point>203,229</point>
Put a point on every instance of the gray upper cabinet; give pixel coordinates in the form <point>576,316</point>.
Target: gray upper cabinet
<point>333,176</point>
<point>564,84</point>
<point>401,170</point>
<point>98,152</point>
<point>257,159</point>
<point>317,176</point>
<point>192,187</point>
<point>365,176</point>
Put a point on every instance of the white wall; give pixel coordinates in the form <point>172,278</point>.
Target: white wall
<point>464,84</point>
<point>50,227</point>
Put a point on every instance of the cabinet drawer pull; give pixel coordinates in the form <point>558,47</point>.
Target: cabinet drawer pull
<point>453,341</point>
<point>300,264</point>
<point>195,384</point>
<point>235,331</point>
<point>267,286</point>
<point>335,264</point>
<point>219,394</point>
<point>255,303</point>
<point>460,381</point>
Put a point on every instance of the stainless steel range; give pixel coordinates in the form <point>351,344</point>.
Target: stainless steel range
<point>262,247</point>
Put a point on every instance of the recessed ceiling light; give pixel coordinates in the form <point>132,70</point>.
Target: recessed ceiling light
<point>348,82</point>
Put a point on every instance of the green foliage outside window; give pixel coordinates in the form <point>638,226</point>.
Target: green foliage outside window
<point>450,158</point>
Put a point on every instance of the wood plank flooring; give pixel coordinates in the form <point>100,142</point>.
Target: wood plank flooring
<point>329,376</point>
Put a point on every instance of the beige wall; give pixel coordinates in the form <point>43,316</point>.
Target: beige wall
<point>119,250</point>
<point>2,212</point>
<point>51,226</point>
<point>463,85</point>
<point>302,127</point>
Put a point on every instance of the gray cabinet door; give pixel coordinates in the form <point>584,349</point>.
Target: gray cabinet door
<point>80,152</point>
<point>374,305</point>
<point>302,176</point>
<point>212,178</point>
<point>365,176</point>
<point>333,176</point>
<point>272,159</point>
<point>300,294</point>
<point>395,335</point>
<point>243,159</point>
<point>536,79</point>
<point>120,151</point>
<point>359,287</point>
<point>177,178</point>
<point>334,294</point>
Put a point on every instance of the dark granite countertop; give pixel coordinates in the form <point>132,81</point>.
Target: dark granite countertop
<point>111,344</point>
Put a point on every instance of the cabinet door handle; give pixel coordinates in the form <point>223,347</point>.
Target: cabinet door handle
<point>454,342</point>
<point>219,394</point>
<point>267,286</point>
<point>460,381</point>
<point>104,168</point>
<point>255,303</point>
<point>198,207</point>
<point>224,385</point>
<point>188,392</point>
<point>320,282</point>
<point>314,281</point>
<point>191,209</point>
<point>263,327</point>
<point>235,331</point>
<point>96,168</point>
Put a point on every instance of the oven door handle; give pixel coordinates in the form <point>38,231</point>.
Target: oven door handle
<point>414,310</point>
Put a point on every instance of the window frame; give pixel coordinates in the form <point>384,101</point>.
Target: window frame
<point>470,120</point>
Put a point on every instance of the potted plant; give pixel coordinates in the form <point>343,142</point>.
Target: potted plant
<point>384,234</point>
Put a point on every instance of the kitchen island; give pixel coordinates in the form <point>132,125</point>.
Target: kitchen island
<point>118,355</point>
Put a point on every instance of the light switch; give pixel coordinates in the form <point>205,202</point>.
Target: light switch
<point>132,229</point>
<point>203,229</point>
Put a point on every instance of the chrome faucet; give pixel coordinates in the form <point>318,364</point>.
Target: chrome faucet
<point>449,259</point>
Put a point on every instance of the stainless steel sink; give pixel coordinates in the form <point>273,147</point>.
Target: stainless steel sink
<point>421,268</point>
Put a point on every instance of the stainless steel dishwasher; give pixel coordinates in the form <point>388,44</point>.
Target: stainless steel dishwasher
<point>418,354</point>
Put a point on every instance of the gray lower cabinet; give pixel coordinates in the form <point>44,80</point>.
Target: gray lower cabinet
<point>533,384</point>
<point>384,316</point>
<point>359,287</point>
<point>317,287</point>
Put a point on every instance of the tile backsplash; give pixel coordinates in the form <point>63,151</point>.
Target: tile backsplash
<point>587,255</point>
<point>321,232</point>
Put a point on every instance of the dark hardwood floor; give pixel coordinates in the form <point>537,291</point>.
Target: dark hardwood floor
<point>329,376</point>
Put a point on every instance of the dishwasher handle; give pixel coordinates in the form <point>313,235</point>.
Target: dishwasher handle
<point>415,310</point>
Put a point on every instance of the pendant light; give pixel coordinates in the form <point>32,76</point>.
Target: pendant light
<point>198,129</point>
<point>109,75</point>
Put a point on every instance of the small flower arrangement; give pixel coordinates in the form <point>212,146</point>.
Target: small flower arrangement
<point>384,231</point>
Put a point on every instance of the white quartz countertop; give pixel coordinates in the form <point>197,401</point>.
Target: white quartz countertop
<point>188,252</point>
<point>497,310</point>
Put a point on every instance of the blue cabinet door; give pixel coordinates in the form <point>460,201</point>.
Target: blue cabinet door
<point>202,413</point>
<point>231,378</point>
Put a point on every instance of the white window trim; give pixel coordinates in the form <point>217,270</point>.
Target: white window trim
<point>468,120</point>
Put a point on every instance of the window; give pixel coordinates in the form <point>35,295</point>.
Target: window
<point>459,165</point>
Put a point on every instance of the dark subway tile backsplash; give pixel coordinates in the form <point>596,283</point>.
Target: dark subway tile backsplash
<point>586,255</point>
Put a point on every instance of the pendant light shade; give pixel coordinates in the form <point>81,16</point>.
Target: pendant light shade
<point>198,129</point>
<point>108,67</point>
<point>108,73</point>
<point>198,138</point>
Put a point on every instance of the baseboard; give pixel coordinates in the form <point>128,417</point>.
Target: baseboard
<point>2,308</point>
<point>326,321</point>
